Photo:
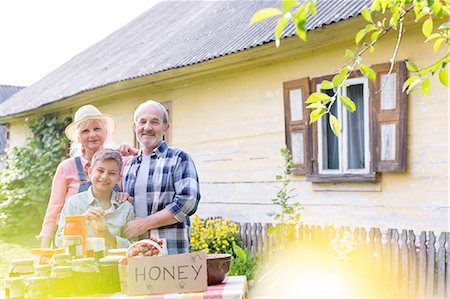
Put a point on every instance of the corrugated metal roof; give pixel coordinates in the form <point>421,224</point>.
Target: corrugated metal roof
<point>172,34</point>
<point>6,91</point>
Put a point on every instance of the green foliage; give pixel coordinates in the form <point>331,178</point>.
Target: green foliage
<point>288,212</point>
<point>25,184</point>
<point>382,17</point>
<point>287,215</point>
<point>242,262</point>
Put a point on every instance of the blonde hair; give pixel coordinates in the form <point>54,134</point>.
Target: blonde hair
<point>76,148</point>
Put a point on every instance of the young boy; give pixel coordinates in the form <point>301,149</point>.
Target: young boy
<point>105,215</point>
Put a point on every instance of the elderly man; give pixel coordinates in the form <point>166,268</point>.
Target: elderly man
<point>163,181</point>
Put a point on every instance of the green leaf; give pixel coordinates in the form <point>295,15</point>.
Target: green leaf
<point>349,53</point>
<point>410,83</point>
<point>444,26</point>
<point>271,230</point>
<point>334,124</point>
<point>316,105</point>
<point>437,8</point>
<point>360,35</point>
<point>316,97</point>
<point>367,15</point>
<point>438,43</point>
<point>278,177</point>
<point>240,253</point>
<point>375,35</point>
<point>348,103</point>
<point>280,27</point>
<point>312,9</point>
<point>287,5</point>
<point>371,49</point>
<point>433,36</point>
<point>368,72</point>
<point>344,71</point>
<point>426,86</point>
<point>443,77</point>
<point>337,79</point>
<point>316,114</point>
<point>411,66</point>
<point>427,27</point>
<point>265,13</point>
<point>446,10</point>
<point>325,85</point>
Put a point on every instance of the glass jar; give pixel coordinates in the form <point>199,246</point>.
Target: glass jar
<point>61,284</point>
<point>85,274</point>
<point>61,259</point>
<point>109,274</point>
<point>21,268</point>
<point>43,270</point>
<point>76,225</point>
<point>74,245</point>
<point>37,287</point>
<point>95,248</point>
<point>14,288</point>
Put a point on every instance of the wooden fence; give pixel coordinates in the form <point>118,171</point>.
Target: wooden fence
<point>419,265</point>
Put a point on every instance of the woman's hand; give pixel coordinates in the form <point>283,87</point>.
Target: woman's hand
<point>123,197</point>
<point>127,150</point>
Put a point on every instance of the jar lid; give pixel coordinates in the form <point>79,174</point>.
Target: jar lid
<point>47,251</point>
<point>118,251</point>
<point>36,250</point>
<point>61,269</point>
<point>87,260</point>
<point>58,256</point>
<point>76,218</point>
<point>14,280</point>
<point>22,262</point>
<point>110,259</point>
<point>72,237</point>
<point>37,278</point>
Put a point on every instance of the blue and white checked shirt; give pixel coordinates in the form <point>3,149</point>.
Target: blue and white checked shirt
<point>172,183</point>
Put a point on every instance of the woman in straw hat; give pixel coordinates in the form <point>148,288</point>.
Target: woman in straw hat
<point>88,134</point>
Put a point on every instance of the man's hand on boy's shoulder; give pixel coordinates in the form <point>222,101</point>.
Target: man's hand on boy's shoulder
<point>122,197</point>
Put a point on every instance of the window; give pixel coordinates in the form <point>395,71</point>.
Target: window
<point>373,138</point>
<point>350,153</point>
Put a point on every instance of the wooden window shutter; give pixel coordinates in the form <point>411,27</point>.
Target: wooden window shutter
<point>388,118</point>
<point>296,122</point>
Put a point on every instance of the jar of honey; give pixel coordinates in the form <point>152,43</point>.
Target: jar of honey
<point>76,225</point>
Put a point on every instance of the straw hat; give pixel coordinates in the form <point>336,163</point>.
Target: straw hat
<point>88,112</point>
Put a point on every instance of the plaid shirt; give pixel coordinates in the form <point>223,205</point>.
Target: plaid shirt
<point>173,184</point>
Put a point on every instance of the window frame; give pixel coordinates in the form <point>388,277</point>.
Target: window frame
<point>342,116</point>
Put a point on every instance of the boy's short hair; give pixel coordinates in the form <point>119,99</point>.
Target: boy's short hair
<point>108,154</point>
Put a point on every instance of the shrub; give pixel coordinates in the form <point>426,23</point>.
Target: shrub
<point>25,183</point>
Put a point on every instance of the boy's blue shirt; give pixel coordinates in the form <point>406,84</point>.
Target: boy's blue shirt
<point>116,216</point>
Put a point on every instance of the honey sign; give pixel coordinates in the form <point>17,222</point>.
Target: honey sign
<point>179,273</point>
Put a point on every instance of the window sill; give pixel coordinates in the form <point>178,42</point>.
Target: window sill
<point>337,178</point>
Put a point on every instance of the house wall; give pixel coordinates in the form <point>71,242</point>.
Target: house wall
<point>232,123</point>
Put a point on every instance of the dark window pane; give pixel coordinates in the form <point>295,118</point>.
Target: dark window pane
<point>355,128</point>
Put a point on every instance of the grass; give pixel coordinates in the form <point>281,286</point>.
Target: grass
<point>15,247</point>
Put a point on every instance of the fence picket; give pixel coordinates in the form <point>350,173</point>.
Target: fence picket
<point>388,253</point>
<point>395,261</point>
<point>412,288</point>
<point>440,292</point>
<point>447,267</point>
<point>422,266</point>
<point>404,282</point>
<point>430,264</point>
